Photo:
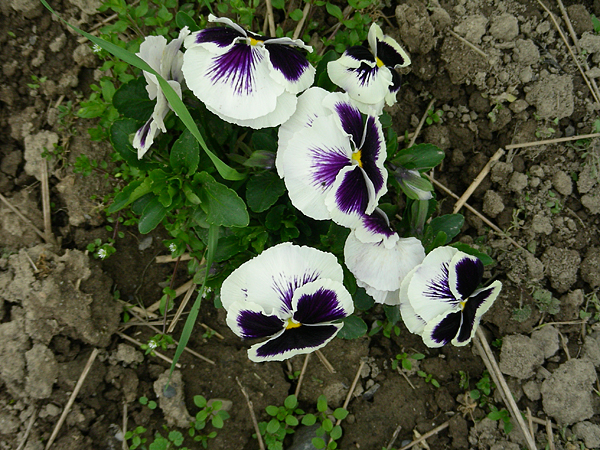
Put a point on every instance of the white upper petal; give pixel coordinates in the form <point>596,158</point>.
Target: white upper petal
<point>262,279</point>
<point>151,51</point>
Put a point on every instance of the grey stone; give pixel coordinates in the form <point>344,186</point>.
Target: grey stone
<point>520,356</point>
<point>580,19</point>
<point>547,339</point>
<point>303,438</point>
<point>541,224</point>
<point>29,8</point>
<point>567,394</point>
<point>500,172</point>
<point>589,433</point>
<point>591,202</point>
<point>561,267</point>
<point>171,402</point>
<point>505,445</point>
<point>42,371</point>
<point>35,145</point>
<point>591,351</point>
<point>416,29</point>
<point>590,42</point>
<point>505,27</point>
<point>586,180</point>
<point>126,354</point>
<point>562,183</point>
<point>532,390</point>
<point>9,424</point>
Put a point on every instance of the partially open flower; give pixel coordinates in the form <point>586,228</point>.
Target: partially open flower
<point>166,59</point>
<point>331,158</point>
<point>291,295</point>
<point>367,73</point>
<point>440,298</point>
<point>379,259</point>
<point>245,78</point>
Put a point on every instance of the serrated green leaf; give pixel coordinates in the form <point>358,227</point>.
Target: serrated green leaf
<point>132,100</point>
<point>222,205</point>
<point>185,153</point>
<point>153,214</point>
<point>263,190</point>
<point>354,327</point>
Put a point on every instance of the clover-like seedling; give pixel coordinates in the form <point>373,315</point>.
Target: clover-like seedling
<point>210,412</point>
<point>328,433</point>
<point>404,360</point>
<point>283,422</point>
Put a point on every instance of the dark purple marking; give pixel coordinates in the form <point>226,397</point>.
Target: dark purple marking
<point>326,164</point>
<point>236,67</point>
<point>447,329</point>
<point>256,325</point>
<point>396,81</point>
<point>353,196</point>
<point>360,53</point>
<point>221,36</point>
<point>319,307</point>
<point>371,150</point>
<point>378,223</point>
<point>286,292</point>
<point>144,132</point>
<point>287,60</point>
<point>299,338</point>
<point>365,73</point>
<point>351,119</point>
<point>438,288</point>
<point>468,276</point>
<point>389,56</point>
<point>470,313</point>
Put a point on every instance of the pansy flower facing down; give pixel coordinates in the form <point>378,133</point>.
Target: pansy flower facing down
<point>289,294</point>
<point>379,259</point>
<point>166,59</point>
<point>245,78</point>
<point>440,299</point>
<point>367,73</point>
<point>331,158</point>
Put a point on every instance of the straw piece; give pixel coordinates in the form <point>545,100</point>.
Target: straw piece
<point>471,45</point>
<point>271,18</point>
<point>125,446</point>
<point>477,181</point>
<point>427,435</point>
<point>261,444</point>
<point>552,141</point>
<point>47,213</point>
<point>550,434</point>
<point>28,430</point>
<point>139,344</point>
<point>350,392</point>
<point>394,437</point>
<point>305,13</point>
<point>325,362</point>
<point>182,306</point>
<point>72,398</point>
<point>421,123</point>
<point>301,377</point>
<point>161,259</point>
<point>179,291</point>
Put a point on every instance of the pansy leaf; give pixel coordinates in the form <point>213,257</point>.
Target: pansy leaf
<point>139,204</point>
<point>264,141</point>
<point>354,327</point>
<point>183,19</point>
<point>263,190</point>
<point>185,153</point>
<point>334,10</point>
<point>450,224</point>
<point>132,100</point>
<point>321,76</point>
<point>123,198</point>
<point>221,204</point>
<point>263,159</point>
<point>483,257</point>
<point>120,131</point>
<point>153,214</point>
<point>229,246</point>
<point>362,300</point>
<point>392,313</point>
<point>421,157</point>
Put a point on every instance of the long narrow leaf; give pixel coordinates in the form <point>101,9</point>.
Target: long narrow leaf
<point>213,240</point>
<point>180,109</point>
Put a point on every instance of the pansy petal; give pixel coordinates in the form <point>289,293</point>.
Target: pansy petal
<point>429,291</point>
<point>309,107</point>
<point>213,39</point>
<point>321,301</point>
<point>475,307</point>
<point>235,82</point>
<point>249,321</point>
<point>465,274</point>
<point>291,69</point>
<point>380,267</point>
<point>294,341</point>
<point>271,278</point>
<point>442,329</point>
<point>311,163</point>
<point>376,228</point>
<point>144,137</point>
<point>411,319</point>
<point>151,51</point>
<point>226,21</point>
<point>373,155</point>
<point>349,117</point>
<point>391,53</point>
<point>351,197</point>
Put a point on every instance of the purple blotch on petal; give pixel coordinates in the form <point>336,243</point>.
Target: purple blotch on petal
<point>221,36</point>
<point>351,119</point>
<point>318,307</point>
<point>237,68</point>
<point>327,164</point>
<point>447,329</point>
<point>365,73</point>
<point>469,313</point>
<point>299,338</point>
<point>143,132</point>
<point>352,195</point>
<point>371,149</point>
<point>396,81</point>
<point>287,289</point>
<point>438,287</point>
<point>468,276</point>
<point>378,223</point>
<point>360,53</point>
<point>287,60</point>
<point>256,325</point>
<point>389,55</point>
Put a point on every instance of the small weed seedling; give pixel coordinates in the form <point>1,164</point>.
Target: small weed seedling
<point>161,341</point>
<point>208,413</point>
<point>428,378</point>
<point>327,428</point>
<point>404,360</point>
<point>434,116</point>
<point>503,415</point>
<point>284,421</point>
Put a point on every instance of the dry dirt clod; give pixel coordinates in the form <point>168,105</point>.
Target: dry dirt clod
<point>520,356</point>
<point>171,400</point>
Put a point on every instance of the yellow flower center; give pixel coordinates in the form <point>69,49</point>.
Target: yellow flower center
<point>462,305</point>
<point>255,42</point>
<point>356,156</point>
<point>291,324</point>
<point>379,62</point>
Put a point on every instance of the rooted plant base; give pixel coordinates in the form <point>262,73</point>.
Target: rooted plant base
<point>547,198</point>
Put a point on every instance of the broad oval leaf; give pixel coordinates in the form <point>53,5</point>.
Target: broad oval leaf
<point>222,205</point>
<point>132,100</point>
<point>420,157</point>
<point>263,190</point>
<point>185,153</point>
<point>354,327</point>
<point>153,214</point>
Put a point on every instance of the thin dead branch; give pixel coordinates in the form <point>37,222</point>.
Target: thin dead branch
<point>552,141</point>
<point>394,436</point>
<point>271,18</point>
<point>300,25</point>
<point>47,213</point>
<point>178,292</point>
<point>182,306</point>
<point>261,444</point>
<point>325,362</point>
<point>139,344</point>
<point>469,44</point>
<point>421,123</point>
<point>427,435</point>
<point>32,420</point>
<point>302,373</point>
<point>162,259</point>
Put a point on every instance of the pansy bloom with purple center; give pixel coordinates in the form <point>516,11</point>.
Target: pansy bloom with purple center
<point>166,59</point>
<point>441,300</point>
<point>245,78</point>
<point>331,159</point>
<point>379,259</point>
<point>367,73</point>
<point>291,295</point>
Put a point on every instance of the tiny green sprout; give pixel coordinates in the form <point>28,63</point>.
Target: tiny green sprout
<point>434,116</point>
<point>428,378</point>
<point>404,359</point>
<point>521,314</point>
<point>502,415</point>
<point>464,380</point>
<point>11,34</point>
<point>149,403</point>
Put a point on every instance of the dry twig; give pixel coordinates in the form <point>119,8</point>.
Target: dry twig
<point>421,123</point>
<point>469,44</point>
<point>305,13</point>
<point>394,436</point>
<point>182,306</point>
<point>301,377</point>
<point>427,435</point>
<point>325,362</point>
<point>550,434</point>
<point>271,18</point>
<point>23,218</point>
<point>46,203</point>
<point>28,430</point>
<point>552,141</point>
<point>179,291</point>
<point>125,446</point>
<point>261,444</point>
<point>161,259</point>
<point>158,355</point>
<point>72,398</point>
